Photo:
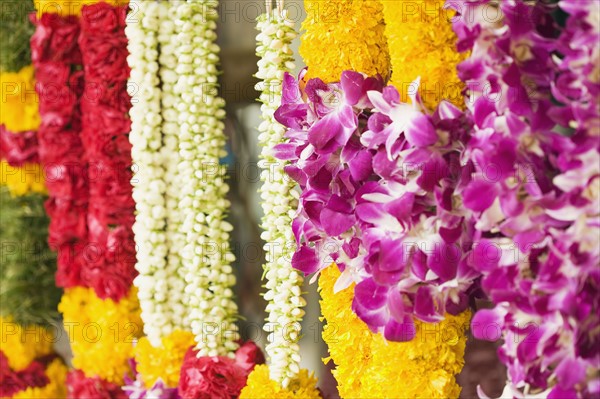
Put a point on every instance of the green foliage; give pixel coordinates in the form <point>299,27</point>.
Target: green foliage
<point>15,31</point>
<point>27,287</point>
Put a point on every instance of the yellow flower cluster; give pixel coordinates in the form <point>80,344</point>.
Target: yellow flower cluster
<point>102,332</point>
<point>421,43</point>
<point>163,362</point>
<point>260,386</point>
<point>368,366</point>
<point>55,389</point>
<point>344,34</point>
<point>22,180</point>
<point>19,102</point>
<point>23,344</point>
<point>68,7</point>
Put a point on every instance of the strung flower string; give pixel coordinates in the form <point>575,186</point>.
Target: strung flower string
<point>149,181</point>
<point>539,214</point>
<point>175,239</point>
<point>206,256</point>
<point>278,199</point>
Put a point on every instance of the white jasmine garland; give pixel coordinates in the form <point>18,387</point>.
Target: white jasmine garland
<point>167,39</point>
<point>278,201</point>
<point>148,181</point>
<point>206,255</point>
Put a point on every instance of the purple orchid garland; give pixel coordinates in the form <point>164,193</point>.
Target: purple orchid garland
<point>379,181</point>
<point>538,217</point>
<point>421,211</point>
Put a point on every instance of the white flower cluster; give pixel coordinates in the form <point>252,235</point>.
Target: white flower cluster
<point>206,255</point>
<point>167,39</point>
<point>148,181</point>
<point>279,201</point>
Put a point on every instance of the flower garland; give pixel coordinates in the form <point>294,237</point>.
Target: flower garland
<point>21,344</point>
<point>167,39</point>
<point>28,366</point>
<point>95,141</point>
<point>102,332</point>
<point>382,223</point>
<point>542,208</point>
<point>56,58</point>
<point>366,362</point>
<point>206,256</point>
<point>150,183</point>
<point>384,226</point>
<point>422,43</point>
<point>345,34</point>
<point>109,269</point>
<point>283,282</point>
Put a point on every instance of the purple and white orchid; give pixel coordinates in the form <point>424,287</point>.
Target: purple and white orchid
<point>378,180</point>
<point>535,189</point>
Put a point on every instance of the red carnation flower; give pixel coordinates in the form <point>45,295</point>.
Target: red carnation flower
<point>81,387</point>
<point>56,39</point>
<point>218,377</point>
<point>206,377</point>
<point>18,148</point>
<point>102,18</point>
<point>10,383</point>
<point>249,355</point>
<point>34,376</point>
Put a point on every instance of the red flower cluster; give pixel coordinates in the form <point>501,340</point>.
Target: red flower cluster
<point>18,148</point>
<point>218,377</point>
<point>105,106</point>
<point>56,57</point>
<point>11,382</point>
<point>82,387</point>
<point>84,146</point>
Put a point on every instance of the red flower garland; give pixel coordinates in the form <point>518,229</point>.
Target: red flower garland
<point>56,57</point>
<point>106,125</point>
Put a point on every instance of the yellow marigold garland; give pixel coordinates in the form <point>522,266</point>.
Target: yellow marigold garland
<point>261,386</point>
<point>102,332</point>
<point>368,366</point>
<point>344,34</point>
<point>19,101</point>
<point>69,7</point>
<point>23,344</point>
<point>22,180</point>
<point>165,361</point>
<point>55,389</point>
<point>421,43</point>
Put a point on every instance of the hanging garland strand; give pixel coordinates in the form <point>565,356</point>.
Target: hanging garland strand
<point>278,199</point>
<point>167,39</point>
<point>149,179</point>
<point>206,256</point>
